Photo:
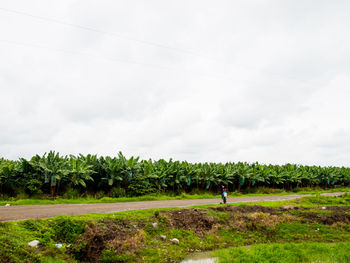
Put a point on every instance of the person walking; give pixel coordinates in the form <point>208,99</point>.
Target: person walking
<point>223,194</point>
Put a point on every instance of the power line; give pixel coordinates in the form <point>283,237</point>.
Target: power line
<point>75,52</point>
<point>117,35</point>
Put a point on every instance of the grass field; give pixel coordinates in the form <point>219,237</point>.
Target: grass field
<point>286,253</point>
<point>311,229</point>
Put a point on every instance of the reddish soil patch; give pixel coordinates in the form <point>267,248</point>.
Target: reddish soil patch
<point>191,219</point>
<point>255,209</point>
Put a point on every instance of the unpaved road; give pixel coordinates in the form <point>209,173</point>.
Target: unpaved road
<point>22,212</point>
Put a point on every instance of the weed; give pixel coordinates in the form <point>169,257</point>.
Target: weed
<point>66,229</point>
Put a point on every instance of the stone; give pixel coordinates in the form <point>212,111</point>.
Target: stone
<point>155,225</point>
<point>175,241</point>
<point>59,245</point>
<point>324,208</point>
<point>33,243</point>
<point>7,205</point>
<point>162,237</point>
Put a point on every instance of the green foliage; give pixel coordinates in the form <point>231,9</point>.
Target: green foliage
<point>117,192</point>
<point>54,174</point>
<point>71,193</point>
<point>109,256</point>
<point>34,186</point>
<point>13,246</point>
<point>138,187</point>
<point>66,229</point>
<point>324,200</point>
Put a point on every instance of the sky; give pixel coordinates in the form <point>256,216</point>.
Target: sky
<point>195,80</point>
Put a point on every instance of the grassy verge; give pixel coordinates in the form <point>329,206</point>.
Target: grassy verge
<point>286,253</point>
<point>271,231</point>
<point>157,197</point>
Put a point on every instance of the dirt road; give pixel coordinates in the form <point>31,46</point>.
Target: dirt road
<point>41,211</point>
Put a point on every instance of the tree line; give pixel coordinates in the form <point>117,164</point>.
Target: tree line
<point>53,174</point>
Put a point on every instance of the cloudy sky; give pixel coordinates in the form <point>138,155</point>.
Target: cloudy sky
<point>195,80</point>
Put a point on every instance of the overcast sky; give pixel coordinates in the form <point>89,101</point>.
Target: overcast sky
<point>265,81</point>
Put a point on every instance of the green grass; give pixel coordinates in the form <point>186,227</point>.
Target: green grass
<point>286,253</point>
<point>157,197</point>
<point>105,199</point>
<point>292,241</point>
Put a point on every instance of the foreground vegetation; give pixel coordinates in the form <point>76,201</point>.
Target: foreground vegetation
<point>286,253</point>
<point>97,177</point>
<point>277,231</point>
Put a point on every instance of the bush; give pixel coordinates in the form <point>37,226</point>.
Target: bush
<point>33,187</point>
<point>117,192</point>
<point>138,187</point>
<point>4,197</point>
<point>99,195</point>
<point>66,229</point>
<point>22,195</point>
<point>71,193</point>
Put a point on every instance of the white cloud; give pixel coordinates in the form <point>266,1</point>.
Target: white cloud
<point>245,81</point>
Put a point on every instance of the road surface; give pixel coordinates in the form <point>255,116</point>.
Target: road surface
<point>23,212</point>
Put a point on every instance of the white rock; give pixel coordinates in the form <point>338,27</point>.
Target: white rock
<point>33,243</point>
<point>69,245</point>
<point>175,241</point>
<point>58,245</point>
<point>7,205</point>
<point>155,225</point>
<point>324,208</point>
<point>162,237</point>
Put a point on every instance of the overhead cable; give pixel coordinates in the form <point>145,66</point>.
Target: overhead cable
<point>113,34</point>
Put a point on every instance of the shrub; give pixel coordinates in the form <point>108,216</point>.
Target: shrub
<point>138,187</point>
<point>117,192</point>
<point>66,229</point>
<point>71,193</point>
<point>33,187</point>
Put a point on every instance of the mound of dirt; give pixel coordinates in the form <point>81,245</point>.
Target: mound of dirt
<point>338,208</point>
<point>191,219</point>
<point>111,234</point>
<point>259,220</point>
<point>244,209</point>
<point>327,219</point>
<point>255,209</point>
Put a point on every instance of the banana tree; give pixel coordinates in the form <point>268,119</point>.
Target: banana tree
<point>55,168</point>
<point>8,180</point>
<point>160,173</point>
<point>113,168</point>
<point>242,172</point>
<point>79,172</point>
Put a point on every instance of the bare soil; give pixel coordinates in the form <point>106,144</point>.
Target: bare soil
<point>328,219</point>
<point>42,211</point>
<point>118,235</point>
<point>190,219</point>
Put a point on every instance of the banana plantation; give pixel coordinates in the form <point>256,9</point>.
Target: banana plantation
<point>52,174</point>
